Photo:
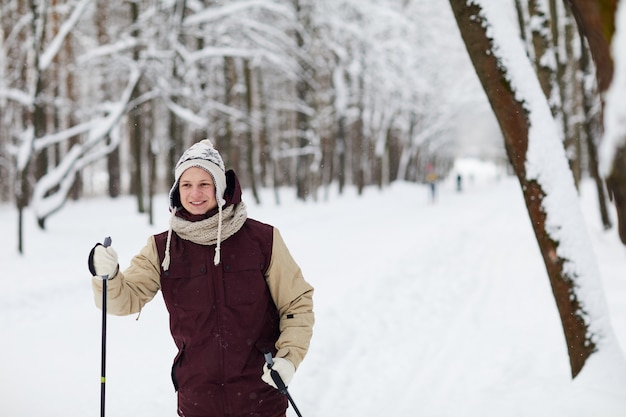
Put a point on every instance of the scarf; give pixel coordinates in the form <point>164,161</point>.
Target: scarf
<point>210,231</point>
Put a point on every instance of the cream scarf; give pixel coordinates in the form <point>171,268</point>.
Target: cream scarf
<point>211,231</point>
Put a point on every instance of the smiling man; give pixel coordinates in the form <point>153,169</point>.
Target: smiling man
<point>232,289</point>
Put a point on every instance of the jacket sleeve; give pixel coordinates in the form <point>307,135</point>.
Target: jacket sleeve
<point>293,297</point>
<point>130,290</point>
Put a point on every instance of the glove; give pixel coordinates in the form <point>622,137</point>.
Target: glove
<point>102,261</point>
<point>285,369</point>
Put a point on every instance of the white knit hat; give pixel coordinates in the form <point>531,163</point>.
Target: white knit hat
<point>201,155</point>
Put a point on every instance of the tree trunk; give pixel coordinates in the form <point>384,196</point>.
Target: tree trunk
<point>175,143</point>
<point>269,162</point>
<point>514,123</point>
<point>303,160</point>
<point>596,22</point>
<point>71,120</point>
<point>228,143</point>
<point>136,130</point>
<point>152,157</point>
<point>250,159</point>
<point>543,46</point>
<point>342,148</point>
<point>113,159</point>
<point>137,149</point>
<point>357,134</point>
<point>39,125</point>
<point>592,126</point>
<point>38,117</point>
<point>572,99</point>
<point>259,121</point>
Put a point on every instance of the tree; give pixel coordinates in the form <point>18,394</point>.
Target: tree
<point>35,146</point>
<point>536,153</point>
<point>596,21</point>
<point>614,139</point>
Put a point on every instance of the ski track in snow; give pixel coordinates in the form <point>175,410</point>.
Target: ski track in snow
<point>423,309</point>
<point>435,307</point>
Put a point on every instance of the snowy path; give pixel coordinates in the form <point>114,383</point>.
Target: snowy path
<point>438,310</point>
<point>435,309</point>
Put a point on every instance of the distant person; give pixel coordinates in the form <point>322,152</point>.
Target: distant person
<point>232,290</point>
<point>431,179</point>
<point>459,183</point>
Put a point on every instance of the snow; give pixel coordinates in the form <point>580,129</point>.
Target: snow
<point>422,309</point>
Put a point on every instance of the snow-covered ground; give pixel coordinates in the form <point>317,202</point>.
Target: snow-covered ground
<point>422,309</point>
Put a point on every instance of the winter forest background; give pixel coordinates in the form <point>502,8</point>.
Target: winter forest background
<point>100,98</point>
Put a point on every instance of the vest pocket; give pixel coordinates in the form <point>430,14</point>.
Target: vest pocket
<point>187,286</point>
<point>244,283</point>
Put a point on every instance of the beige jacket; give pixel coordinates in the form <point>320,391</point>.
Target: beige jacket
<point>130,290</point>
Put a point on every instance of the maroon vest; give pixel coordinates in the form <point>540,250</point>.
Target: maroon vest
<point>222,318</point>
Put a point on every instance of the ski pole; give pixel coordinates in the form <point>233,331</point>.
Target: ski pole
<point>105,279</point>
<point>280,384</point>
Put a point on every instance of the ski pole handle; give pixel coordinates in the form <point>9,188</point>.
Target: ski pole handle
<point>280,384</point>
<point>106,244</point>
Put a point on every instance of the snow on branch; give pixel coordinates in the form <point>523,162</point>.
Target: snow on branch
<point>58,137</point>
<point>17,95</point>
<point>118,47</point>
<point>213,52</point>
<point>53,49</point>
<point>24,149</point>
<point>50,192</point>
<point>213,14</point>
<point>186,114</point>
<point>280,60</point>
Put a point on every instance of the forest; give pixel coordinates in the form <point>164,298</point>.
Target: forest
<point>100,98</point>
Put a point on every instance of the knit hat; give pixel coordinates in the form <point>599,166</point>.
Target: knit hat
<point>201,155</point>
